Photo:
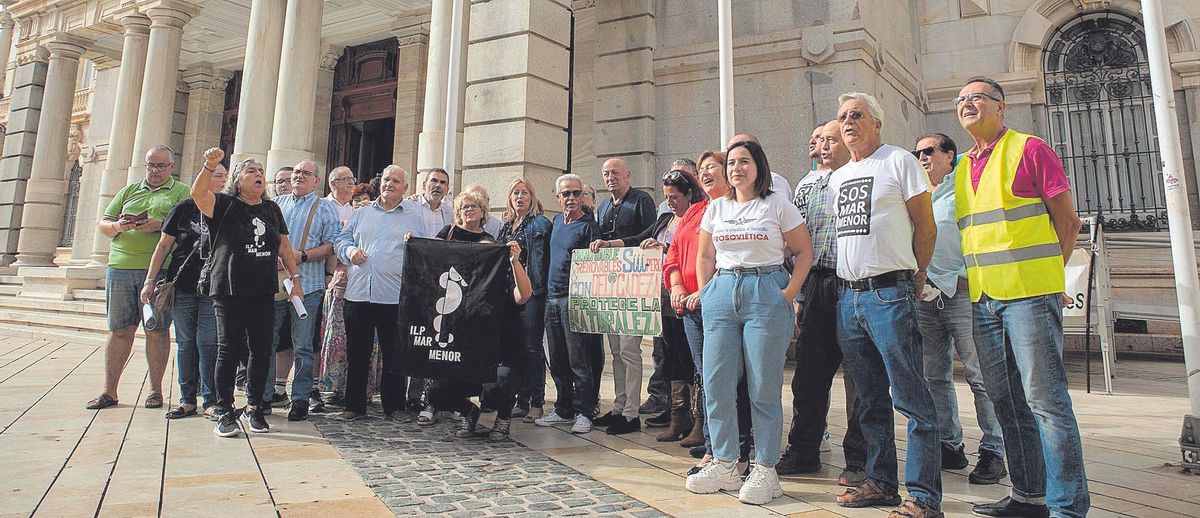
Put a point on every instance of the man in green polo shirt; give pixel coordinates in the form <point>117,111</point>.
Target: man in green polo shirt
<point>132,221</point>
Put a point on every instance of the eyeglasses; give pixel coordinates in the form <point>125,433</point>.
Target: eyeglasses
<point>158,166</point>
<point>710,167</point>
<point>923,152</point>
<point>570,194</point>
<point>282,181</point>
<point>302,172</point>
<point>673,176</point>
<point>852,115</point>
<point>973,98</point>
<point>342,178</point>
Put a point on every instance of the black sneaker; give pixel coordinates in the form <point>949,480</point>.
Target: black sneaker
<point>653,405</point>
<point>227,425</point>
<point>953,458</point>
<point>265,409</point>
<point>989,470</point>
<point>316,404</point>
<point>467,424</point>
<point>278,399</point>
<point>299,411</point>
<point>659,421</point>
<point>1009,508</point>
<point>625,425</point>
<point>793,462</point>
<point>698,452</point>
<point>254,420</point>
<point>607,419</point>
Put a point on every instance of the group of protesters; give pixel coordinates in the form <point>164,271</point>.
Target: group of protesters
<point>887,260</point>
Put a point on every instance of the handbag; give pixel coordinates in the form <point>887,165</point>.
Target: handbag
<point>162,299</point>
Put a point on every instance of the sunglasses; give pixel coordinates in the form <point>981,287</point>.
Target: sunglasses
<point>852,115</point>
<point>924,152</point>
<point>571,194</point>
<point>973,98</point>
<point>673,176</point>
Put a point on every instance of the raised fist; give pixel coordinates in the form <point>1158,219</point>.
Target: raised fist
<point>213,156</point>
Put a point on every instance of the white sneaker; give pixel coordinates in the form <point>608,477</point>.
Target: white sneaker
<point>552,419</point>
<point>716,476</point>
<point>761,486</point>
<point>582,424</point>
<point>825,444</point>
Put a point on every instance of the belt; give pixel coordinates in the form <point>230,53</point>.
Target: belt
<point>822,272</point>
<point>757,270</point>
<point>883,280</point>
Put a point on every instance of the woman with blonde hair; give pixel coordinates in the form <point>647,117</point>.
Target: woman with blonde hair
<point>525,224</point>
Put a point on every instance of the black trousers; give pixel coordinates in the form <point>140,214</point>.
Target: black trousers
<point>817,361</point>
<point>244,324</point>
<point>365,320</point>
<point>500,395</point>
<point>676,353</point>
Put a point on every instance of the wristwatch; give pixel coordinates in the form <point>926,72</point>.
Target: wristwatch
<point>304,256</point>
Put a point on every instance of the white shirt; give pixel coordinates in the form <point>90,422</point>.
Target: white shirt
<point>750,234</point>
<point>874,230</point>
<point>492,225</point>
<point>343,211</point>
<point>780,184</point>
<point>435,220</point>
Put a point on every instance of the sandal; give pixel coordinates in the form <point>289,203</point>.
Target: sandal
<point>425,418</point>
<point>180,411</point>
<point>211,412</point>
<point>101,401</point>
<point>154,400</point>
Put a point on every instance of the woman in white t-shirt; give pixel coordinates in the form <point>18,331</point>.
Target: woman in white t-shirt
<point>745,292</point>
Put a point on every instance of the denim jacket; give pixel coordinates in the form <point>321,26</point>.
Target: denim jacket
<point>534,237</point>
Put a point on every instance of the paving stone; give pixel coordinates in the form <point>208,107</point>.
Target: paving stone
<point>425,470</point>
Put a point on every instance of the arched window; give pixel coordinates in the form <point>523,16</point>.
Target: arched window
<point>1101,119</point>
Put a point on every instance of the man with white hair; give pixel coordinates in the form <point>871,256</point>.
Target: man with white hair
<point>885,238</point>
<point>341,189</point>
<point>570,357</point>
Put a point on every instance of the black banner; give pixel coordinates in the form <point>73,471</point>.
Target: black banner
<point>454,307</point>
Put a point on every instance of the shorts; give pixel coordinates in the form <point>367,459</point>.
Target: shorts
<point>122,292</point>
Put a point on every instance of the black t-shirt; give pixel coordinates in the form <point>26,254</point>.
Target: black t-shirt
<point>462,234</point>
<point>245,247</point>
<point>189,227</point>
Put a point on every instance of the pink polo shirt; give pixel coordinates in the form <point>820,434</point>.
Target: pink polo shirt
<point>1039,175</point>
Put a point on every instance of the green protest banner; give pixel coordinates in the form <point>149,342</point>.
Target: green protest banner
<point>616,291</point>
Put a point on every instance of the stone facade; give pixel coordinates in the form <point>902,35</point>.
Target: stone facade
<point>547,85</point>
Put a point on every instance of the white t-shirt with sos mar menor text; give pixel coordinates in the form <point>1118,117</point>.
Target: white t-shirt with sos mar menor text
<point>874,231</point>
<point>750,234</point>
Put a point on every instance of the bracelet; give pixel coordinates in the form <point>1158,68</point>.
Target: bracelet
<point>210,169</point>
<point>295,275</point>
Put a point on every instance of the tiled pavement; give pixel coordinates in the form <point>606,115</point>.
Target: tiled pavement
<point>57,459</point>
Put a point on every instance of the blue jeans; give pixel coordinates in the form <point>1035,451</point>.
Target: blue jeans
<point>196,340</point>
<point>1020,352</point>
<point>877,332</point>
<point>533,327</point>
<point>747,330</point>
<point>946,328</point>
<point>571,359</point>
<point>303,330</point>
<point>693,327</point>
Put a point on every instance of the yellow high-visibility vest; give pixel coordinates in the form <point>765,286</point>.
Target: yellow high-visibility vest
<point>1008,242</point>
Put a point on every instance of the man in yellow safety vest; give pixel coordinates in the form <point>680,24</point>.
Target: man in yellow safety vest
<point>1018,225</point>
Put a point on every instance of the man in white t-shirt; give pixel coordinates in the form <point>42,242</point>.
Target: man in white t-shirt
<point>885,238</point>
<point>778,182</point>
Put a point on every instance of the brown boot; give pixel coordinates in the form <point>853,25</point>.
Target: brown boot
<point>681,414</point>
<point>696,435</point>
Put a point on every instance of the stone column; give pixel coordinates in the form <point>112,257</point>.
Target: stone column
<point>291,134</point>
<point>256,107</point>
<point>156,110</point>
<point>29,79</point>
<point>625,106</point>
<point>206,105</point>
<point>323,107</point>
<point>410,96</point>
<point>6,39</point>
<point>516,104</point>
<point>431,141</point>
<point>124,121</point>
<point>41,218</point>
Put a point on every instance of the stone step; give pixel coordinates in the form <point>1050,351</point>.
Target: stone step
<point>74,307</point>
<point>9,289</point>
<point>7,270</point>
<point>89,295</point>
<point>10,279</point>
<point>52,320</point>
<point>52,333</point>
